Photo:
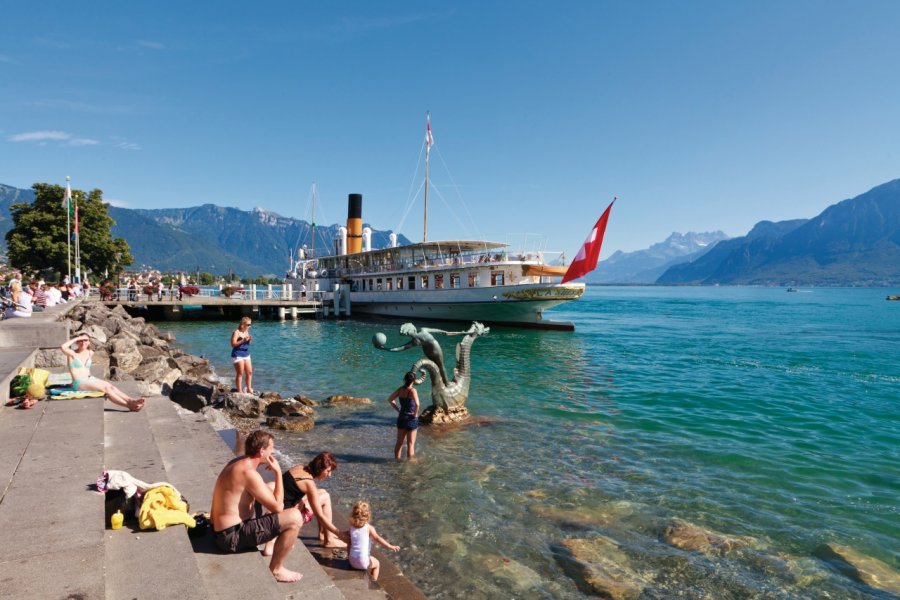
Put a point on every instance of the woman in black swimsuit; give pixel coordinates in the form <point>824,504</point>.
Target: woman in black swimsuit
<point>300,488</point>
<point>407,415</point>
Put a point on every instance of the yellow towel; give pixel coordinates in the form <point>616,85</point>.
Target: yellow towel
<point>163,506</point>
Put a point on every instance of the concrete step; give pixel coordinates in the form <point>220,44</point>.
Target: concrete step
<point>144,563</point>
<point>51,522</point>
<point>181,433</point>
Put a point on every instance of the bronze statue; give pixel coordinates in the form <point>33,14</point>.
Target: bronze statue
<point>448,397</point>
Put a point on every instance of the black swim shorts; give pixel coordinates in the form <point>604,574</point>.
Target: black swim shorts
<point>249,534</point>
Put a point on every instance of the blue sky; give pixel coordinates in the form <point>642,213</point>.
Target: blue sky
<point>697,115</point>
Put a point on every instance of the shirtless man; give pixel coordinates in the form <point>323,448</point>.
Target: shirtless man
<point>240,496</point>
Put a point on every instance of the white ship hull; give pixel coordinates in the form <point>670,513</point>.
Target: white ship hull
<point>520,305</point>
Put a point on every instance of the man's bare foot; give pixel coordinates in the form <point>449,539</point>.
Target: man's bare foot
<point>286,575</point>
<point>268,548</point>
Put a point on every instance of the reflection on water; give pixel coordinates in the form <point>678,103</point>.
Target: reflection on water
<point>734,410</point>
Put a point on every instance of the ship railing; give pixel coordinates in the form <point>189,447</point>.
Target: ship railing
<point>125,294</point>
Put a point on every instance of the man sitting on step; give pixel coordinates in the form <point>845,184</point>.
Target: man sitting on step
<point>239,497</point>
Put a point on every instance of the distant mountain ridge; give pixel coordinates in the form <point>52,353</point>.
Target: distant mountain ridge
<point>855,242</point>
<point>209,237</point>
<point>645,266</point>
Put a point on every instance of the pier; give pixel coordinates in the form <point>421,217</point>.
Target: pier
<point>255,302</point>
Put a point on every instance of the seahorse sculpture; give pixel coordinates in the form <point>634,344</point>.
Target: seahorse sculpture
<point>448,397</point>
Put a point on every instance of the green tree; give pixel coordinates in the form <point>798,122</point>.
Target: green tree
<point>207,278</point>
<point>38,237</point>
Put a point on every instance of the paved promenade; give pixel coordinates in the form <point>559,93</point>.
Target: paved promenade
<point>56,544</point>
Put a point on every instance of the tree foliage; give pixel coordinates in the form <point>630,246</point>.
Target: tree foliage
<point>38,237</point>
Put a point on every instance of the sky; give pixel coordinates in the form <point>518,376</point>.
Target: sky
<point>698,116</point>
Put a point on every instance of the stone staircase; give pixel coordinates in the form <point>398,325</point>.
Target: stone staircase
<point>56,544</point>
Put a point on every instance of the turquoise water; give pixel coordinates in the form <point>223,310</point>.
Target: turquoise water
<point>748,411</point>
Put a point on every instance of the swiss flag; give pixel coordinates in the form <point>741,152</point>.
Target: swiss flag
<point>586,260</point>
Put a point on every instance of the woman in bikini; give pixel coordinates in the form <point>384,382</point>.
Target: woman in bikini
<point>240,356</point>
<point>407,415</point>
<point>300,488</point>
<point>79,362</point>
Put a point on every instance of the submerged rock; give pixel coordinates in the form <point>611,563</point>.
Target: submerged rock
<point>600,567</point>
<point>339,399</point>
<point>584,518</point>
<point>299,423</point>
<point>859,567</point>
<point>688,536</point>
<point>288,408</point>
<point>516,576</point>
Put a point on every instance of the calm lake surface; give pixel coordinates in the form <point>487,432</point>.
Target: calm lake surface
<point>751,412</point>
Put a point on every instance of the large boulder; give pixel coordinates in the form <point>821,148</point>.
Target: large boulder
<point>193,366</point>
<point>125,355</point>
<point>49,357</point>
<point>600,568</point>
<point>157,374</point>
<point>192,394</point>
<point>245,405</point>
<point>216,418</point>
<point>97,333</point>
<point>288,408</point>
<point>859,567</point>
<point>290,423</point>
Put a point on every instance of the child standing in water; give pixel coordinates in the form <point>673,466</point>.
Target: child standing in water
<point>361,536</point>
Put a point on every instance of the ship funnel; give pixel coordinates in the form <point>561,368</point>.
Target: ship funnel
<point>354,223</point>
<point>367,239</point>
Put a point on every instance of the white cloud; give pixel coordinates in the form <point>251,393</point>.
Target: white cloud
<point>42,137</point>
<point>39,136</point>
<point>151,45</point>
<point>128,146</point>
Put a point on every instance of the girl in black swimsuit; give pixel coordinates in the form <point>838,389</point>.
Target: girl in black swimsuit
<point>407,415</point>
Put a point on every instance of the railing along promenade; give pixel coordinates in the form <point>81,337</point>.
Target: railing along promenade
<point>282,303</point>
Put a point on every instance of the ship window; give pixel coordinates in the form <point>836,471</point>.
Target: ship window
<point>473,280</point>
<point>497,278</point>
<point>390,283</point>
<point>424,282</point>
<point>363,285</point>
<point>412,282</point>
<point>438,282</point>
<point>399,283</point>
<point>378,284</point>
<point>371,285</point>
<point>454,280</point>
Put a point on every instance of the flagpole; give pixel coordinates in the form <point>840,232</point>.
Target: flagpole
<point>68,227</point>
<point>77,246</point>
<point>429,141</point>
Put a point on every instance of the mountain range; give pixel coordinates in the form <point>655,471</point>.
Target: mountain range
<point>646,266</point>
<point>208,237</point>
<point>853,242</point>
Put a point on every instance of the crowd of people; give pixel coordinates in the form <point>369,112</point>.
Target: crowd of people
<point>22,299</point>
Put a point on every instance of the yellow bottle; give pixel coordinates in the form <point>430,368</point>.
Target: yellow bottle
<point>117,519</point>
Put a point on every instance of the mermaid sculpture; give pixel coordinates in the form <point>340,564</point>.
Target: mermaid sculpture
<point>448,397</point>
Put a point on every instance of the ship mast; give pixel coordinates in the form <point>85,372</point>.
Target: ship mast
<point>429,142</point>
<point>312,250</point>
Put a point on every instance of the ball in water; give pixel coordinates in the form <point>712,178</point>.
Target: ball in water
<point>379,340</point>
<point>35,390</point>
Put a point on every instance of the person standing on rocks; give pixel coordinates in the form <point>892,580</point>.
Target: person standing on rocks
<point>79,363</point>
<point>239,498</point>
<point>240,356</point>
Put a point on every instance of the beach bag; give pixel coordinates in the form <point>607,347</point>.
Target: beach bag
<point>19,385</point>
<point>38,376</point>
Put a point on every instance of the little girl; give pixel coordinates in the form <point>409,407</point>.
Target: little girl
<point>361,534</point>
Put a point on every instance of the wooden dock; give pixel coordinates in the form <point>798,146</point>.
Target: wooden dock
<point>217,307</point>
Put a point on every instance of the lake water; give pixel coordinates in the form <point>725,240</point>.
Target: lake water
<point>751,412</point>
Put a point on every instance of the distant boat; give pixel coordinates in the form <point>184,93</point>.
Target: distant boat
<point>790,289</point>
<point>893,297</point>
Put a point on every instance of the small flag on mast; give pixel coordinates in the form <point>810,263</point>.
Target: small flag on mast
<point>586,260</point>
<point>429,139</point>
<point>67,199</point>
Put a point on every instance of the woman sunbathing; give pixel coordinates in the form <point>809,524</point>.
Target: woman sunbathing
<point>79,362</point>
